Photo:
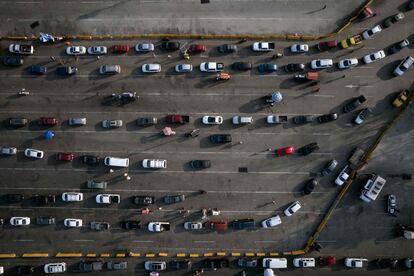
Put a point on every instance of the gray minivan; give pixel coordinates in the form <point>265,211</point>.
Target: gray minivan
<point>92,184</point>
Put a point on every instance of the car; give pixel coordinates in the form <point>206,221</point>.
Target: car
<point>44,199</point>
<point>200,164</point>
<point>155,265</point>
<point>112,123</point>
<point>75,50</point>
<point>267,68</point>
<point>326,45</point>
<point>45,220</point>
<point>144,47</point>
<point>271,222</point>
<point>72,222</point>
<point>197,48</point>
<point>321,63</point>
<point>401,98</point>
<point>20,221</point>
<point>408,262</point>
<point>386,263</point>
<point>240,224</point>
<point>146,121</point>
<point>367,34</point>
<point>77,121</point>
<point>107,198</point>
<point>65,156</point>
<point>242,66</point>
<point>398,46</point>
<point>33,153</point>
<point>347,63</point>
<point>374,57</point>
<point>13,61</point>
<point>248,263</point>
<point>354,103</point>
<point>51,268</point>
<point>343,176</point>
<point>355,262</point>
<point>25,270</point>
<point>310,186</point>
<point>303,119</point>
<point>154,164</point>
<point>327,118</point>
<point>304,262</point>
<point>14,198</point>
<point>242,120</point>
<point>170,45</point>
<point>193,225</point>
<point>151,68</point>
<point>8,151</point>
<point>48,121</point>
<point>220,138</point>
<point>97,50</point>
<point>285,151</point>
<point>93,184</point>
<point>329,167</point>
<point>211,67</point>
<point>110,69</point>
<point>212,120</point>
<point>403,66</point>
<point>120,49</point>
<point>294,67</point>
<point>362,115</point>
<point>171,199</point>
<point>393,19</point>
<point>227,48</point>
<point>72,196</point>
<point>183,68</point>
<point>89,266</point>
<point>219,225</point>
<point>18,122</point>
<point>38,69</point>
<point>326,260</point>
<point>293,208</point>
<point>308,149</point>
<point>143,200</point>
<point>392,204</point>
<point>131,224</point>
<point>21,49</point>
<point>181,264</point>
<point>299,48</point>
<point>215,264</point>
<point>66,70</point>
<point>111,265</point>
<point>90,159</point>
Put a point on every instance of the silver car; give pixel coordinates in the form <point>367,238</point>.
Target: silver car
<point>8,151</point>
<point>110,69</point>
<point>77,121</point>
<point>111,123</point>
<point>97,50</point>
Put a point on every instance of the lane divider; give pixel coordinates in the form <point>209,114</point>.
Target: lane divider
<point>68,255</point>
<point>7,255</point>
<point>91,255</point>
<point>35,255</point>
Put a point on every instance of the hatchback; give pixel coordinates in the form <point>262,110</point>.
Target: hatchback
<point>293,208</point>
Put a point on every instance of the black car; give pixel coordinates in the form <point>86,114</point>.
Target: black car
<point>303,119</point>
<point>181,264</point>
<point>44,199</point>
<point>170,199</point>
<point>66,70</point>
<point>18,122</point>
<point>90,159</point>
<point>38,69</point>
<point>227,48</point>
<point>398,46</point>
<point>146,121</point>
<point>354,103</point>
<point>310,186</point>
<point>242,66</point>
<point>143,200</point>
<point>25,270</point>
<point>294,67</point>
<point>170,45</point>
<point>200,164</point>
<point>386,263</point>
<point>88,266</point>
<point>240,224</point>
<point>329,167</point>
<point>243,262</point>
<point>220,138</point>
<point>308,149</point>
<point>216,263</point>
<point>131,224</point>
<point>13,61</point>
<point>14,198</point>
<point>45,220</point>
<point>327,118</point>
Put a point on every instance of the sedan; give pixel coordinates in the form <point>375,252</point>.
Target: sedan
<point>38,69</point>
<point>355,262</point>
<point>170,199</point>
<point>112,123</point>
<point>343,176</point>
<point>247,263</point>
<point>151,68</point>
<point>347,63</point>
<point>110,69</point>
<point>327,118</point>
<point>271,222</point>
<point>393,19</point>
<point>33,153</point>
<point>45,220</point>
<point>285,151</point>
<point>329,167</point>
<point>193,225</point>
<point>267,68</point>
<point>20,221</point>
<point>211,67</point>
<point>321,63</point>
<point>362,115</point>
<point>308,149</point>
<point>65,156</point>
<point>371,32</point>
<point>144,47</point>
<point>303,119</point>
<point>227,48</point>
<point>220,138</point>
<point>8,151</point>
<point>72,196</point>
<point>120,49</point>
<point>72,222</point>
<point>76,50</point>
<point>97,50</point>
<point>90,159</point>
<point>374,57</point>
<point>212,120</point>
<point>183,68</point>
<point>310,186</point>
<point>131,224</point>
<point>200,164</point>
<point>13,61</point>
<point>398,46</point>
<point>392,205</point>
<point>48,121</point>
<point>294,67</point>
<point>293,208</point>
<point>170,45</point>
<point>242,66</point>
<point>299,48</point>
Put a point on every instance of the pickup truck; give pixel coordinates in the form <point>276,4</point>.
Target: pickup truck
<point>108,198</point>
<point>263,46</point>
<point>211,67</point>
<point>177,119</point>
<point>276,119</point>
<point>21,49</point>
<point>158,226</point>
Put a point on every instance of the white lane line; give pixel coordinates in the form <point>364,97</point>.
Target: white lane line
<point>204,241</point>
<point>143,241</point>
<point>22,240</point>
<point>333,241</point>
<point>83,240</point>
<point>267,241</point>
<point>365,77</point>
<point>357,85</point>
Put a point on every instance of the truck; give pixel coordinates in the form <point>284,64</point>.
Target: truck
<point>177,119</point>
<point>352,41</point>
<point>263,46</point>
<point>356,158</point>
<point>21,49</point>
<point>372,188</point>
<point>158,226</point>
<point>276,119</point>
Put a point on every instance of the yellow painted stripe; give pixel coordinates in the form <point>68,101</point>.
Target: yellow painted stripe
<point>35,255</point>
<point>91,255</point>
<point>235,254</point>
<point>221,254</point>
<point>194,255</point>
<point>260,254</point>
<point>150,255</point>
<point>249,254</point>
<point>180,255</point>
<point>68,255</point>
<point>208,254</point>
<point>163,254</point>
<point>134,254</point>
<point>272,254</point>
<point>8,255</point>
<point>104,255</point>
<point>120,255</point>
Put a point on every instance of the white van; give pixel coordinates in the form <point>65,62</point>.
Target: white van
<point>274,263</point>
<point>116,162</point>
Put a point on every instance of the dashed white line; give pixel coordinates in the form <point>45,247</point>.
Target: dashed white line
<point>204,241</point>
<point>83,240</point>
<point>143,241</point>
<point>22,240</point>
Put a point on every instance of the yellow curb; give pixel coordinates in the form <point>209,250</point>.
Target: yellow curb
<point>208,254</point>
<point>68,255</point>
<point>134,254</point>
<point>260,254</point>
<point>11,255</point>
<point>294,252</point>
<point>91,255</point>
<point>149,255</point>
<point>35,255</point>
<point>249,254</point>
<point>235,254</point>
<point>120,255</point>
<point>163,254</point>
<point>221,254</point>
<point>194,255</point>
<point>273,254</point>
<point>104,255</point>
<point>180,255</point>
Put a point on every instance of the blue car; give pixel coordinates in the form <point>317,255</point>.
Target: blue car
<point>267,68</point>
<point>38,69</point>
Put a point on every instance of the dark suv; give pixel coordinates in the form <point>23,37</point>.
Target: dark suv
<point>294,67</point>
<point>170,45</point>
<point>220,138</point>
<point>14,198</point>
<point>18,122</point>
<point>352,105</point>
<point>143,200</point>
<point>242,66</point>
<point>239,224</point>
<point>44,199</point>
<point>131,224</point>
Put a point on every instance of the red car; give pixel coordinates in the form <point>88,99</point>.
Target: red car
<point>120,49</point>
<point>216,225</point>
<point>65,156</point>
<point>285,151</point>
<point>48,121</point>
<point>326,260</point>
<point>197,48</point>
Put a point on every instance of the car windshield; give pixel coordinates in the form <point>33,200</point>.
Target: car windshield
<point>211,119</point>
<point>347,62</point>
<point>318,63</point>
<point>370,32</point>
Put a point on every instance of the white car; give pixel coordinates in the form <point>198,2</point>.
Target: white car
<point>72,222</point>
<point>193,225</point>
<point>154,164</point>
<point>304,262</point>
<point>374,57</point>
<point>342,176</point>
<point>293,208</point>
<point>404,66</point>
<point>151,68</point>
<point>212,120</point>
<point>321,63</point>
<point>76,50</point>
<point>299,48</point>
<point>242,120</point>
<point>107,198</point>
<point>8,151</point>
<point>144,47</point>
<point>33,153</point>
<point>183,68</point>
<point>97,50</point>
<point>20,221</point>
<point>211,67</point>
<point>371,32</point>
<point>54,268</point>
<point>72,196</point>
<point>347,63</point>
<point>355,262</point>
<point>271,222</point>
